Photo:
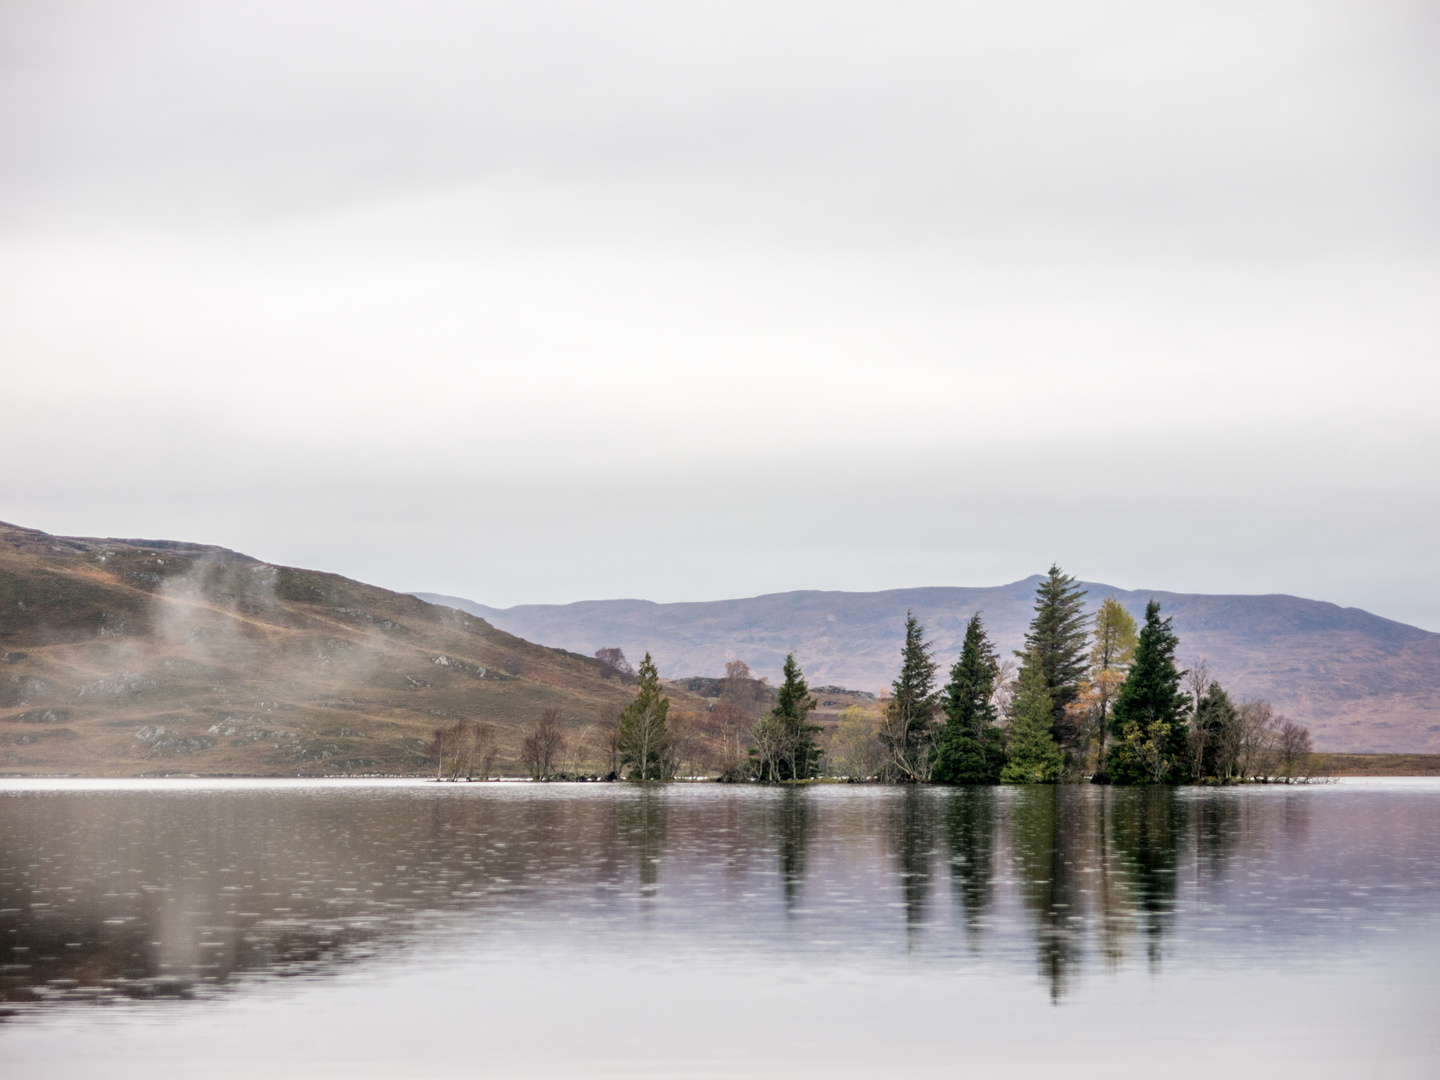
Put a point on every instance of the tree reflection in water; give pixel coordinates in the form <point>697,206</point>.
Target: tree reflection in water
<point>1047,837</point>
<point>912,834</point>
<point>793,826</point>
<point>1147,825</point>
<point>970,825</point>
<point>160,892</point>
<point>643,821</point>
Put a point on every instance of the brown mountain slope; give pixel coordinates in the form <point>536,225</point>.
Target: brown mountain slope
<point>1361,683</point>
<point>125,657</point>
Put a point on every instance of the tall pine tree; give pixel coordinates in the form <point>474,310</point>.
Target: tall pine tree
<point>1034,758</point>
<point>642,725</point>
<point>1147,723</point>
<point>908,727</point>
<point>1058,636</point>
<point>968,748</point>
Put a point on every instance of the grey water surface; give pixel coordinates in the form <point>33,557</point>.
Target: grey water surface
<point>372,928</point>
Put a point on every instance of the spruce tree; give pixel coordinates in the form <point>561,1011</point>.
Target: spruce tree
<point>1147,723</point>
<point>909,717</point>
<point>642,725</point>
<point>1034,757</point>
<point>968,749</point>
<point>783,744</point>
<point>1058,633</point>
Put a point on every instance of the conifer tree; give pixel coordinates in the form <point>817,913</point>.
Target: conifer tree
<point>1034,757</point>
<point>968,749</point>
<point>642,725</point>
<point>909,718</point>
<point>1215,720</point>
<point>1058,635</point>
<point>1148,721</point>
<point>783,744</point>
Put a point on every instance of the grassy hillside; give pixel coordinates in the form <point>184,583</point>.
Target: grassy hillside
<point>132,657</point>
<point>1361,683</point>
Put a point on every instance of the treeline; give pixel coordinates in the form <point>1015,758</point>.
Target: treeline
<point>1089,697</point>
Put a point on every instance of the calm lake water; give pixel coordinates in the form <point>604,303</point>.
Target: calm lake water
<point>276,929</point>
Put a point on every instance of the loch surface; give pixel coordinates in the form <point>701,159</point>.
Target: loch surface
<point>401,928</point>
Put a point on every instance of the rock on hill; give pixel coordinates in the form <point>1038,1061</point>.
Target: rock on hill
<point>126,657</point>
<point>1361,683</point>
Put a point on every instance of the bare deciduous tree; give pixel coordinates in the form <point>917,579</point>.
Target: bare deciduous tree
<point>1197,682</point>
<point>613,663</point>
<point>731,722</point>
<point>1291,753</point>
<point>445,744</point>
<point>683,746</point>
<point>462,749</point>
<point>742,699</point>
<point>481,751</point>
<point>610,743</point>
<point>1250,740</point>
<point>767,745</point>
<point>579,750</point>
<point>742,689</point>
<point>542,749</point>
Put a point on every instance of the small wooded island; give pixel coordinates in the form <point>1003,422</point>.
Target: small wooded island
<point>1095,699</point>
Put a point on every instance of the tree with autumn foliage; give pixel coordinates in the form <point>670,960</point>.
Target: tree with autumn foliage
<point>1113,648</point>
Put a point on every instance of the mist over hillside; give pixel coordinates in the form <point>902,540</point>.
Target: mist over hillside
<point>1360,682</point>
<point>126,657</point>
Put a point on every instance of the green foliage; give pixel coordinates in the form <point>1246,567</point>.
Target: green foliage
<point>1215,727</point>
<point>969,750</point>
<point>782,745</point>
<point>855,751</point>
<point>969,759</point>
<point>642,726</point>
<point>910,715</point>
<point>1035,757</point>
<point>1148,721</point>
<point>1058,635</point>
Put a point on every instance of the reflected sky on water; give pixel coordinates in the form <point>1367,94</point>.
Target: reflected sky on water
<point>151,929</point>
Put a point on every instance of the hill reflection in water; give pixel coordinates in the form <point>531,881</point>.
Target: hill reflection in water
<point>120,891</point>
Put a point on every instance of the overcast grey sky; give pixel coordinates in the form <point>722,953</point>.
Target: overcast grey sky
<point>539,302</point>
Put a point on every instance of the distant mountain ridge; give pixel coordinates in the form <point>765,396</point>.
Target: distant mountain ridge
<point>1362,683</point>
